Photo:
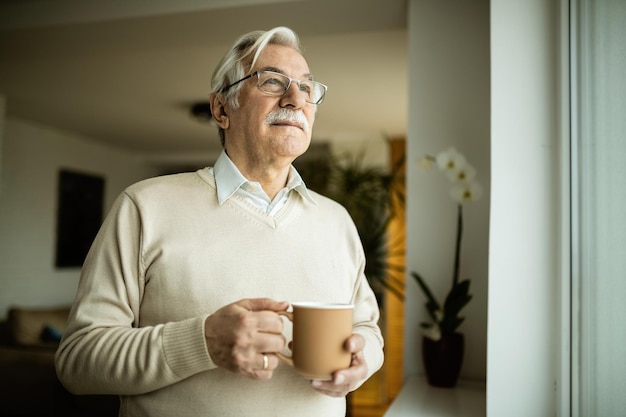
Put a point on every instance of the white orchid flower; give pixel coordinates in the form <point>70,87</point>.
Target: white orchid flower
<point>465,174</point>
<point>450,160</point>
<point>464,191</point>
<point>425,163</point>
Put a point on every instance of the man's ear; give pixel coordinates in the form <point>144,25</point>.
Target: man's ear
<point>218,110</point>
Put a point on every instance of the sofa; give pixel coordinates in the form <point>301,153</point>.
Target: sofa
<point>29,385</point>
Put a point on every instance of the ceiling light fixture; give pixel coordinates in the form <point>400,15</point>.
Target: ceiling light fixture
<point>201,111</point>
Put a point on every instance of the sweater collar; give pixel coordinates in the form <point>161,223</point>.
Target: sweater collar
<point>228,179</point>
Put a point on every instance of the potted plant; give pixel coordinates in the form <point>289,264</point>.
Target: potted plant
<point>442,344</point>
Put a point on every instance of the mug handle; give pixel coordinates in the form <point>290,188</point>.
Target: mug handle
<point>287,359</point>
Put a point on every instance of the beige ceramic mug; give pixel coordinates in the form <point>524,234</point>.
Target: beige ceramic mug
<point>320,331</point>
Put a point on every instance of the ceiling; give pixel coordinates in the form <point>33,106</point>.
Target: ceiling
<point>125,72</point>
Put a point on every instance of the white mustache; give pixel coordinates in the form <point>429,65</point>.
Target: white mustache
<point>287,115</point>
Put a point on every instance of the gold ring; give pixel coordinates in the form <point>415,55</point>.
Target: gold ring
<point>266,362</point>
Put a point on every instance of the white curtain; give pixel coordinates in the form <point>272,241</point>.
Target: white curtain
<point>599,207</point>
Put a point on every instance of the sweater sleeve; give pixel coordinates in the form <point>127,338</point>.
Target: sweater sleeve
<point>366,316</point>
<point>104,350</point>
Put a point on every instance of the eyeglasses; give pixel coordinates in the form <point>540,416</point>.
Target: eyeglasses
<point>276,84</point>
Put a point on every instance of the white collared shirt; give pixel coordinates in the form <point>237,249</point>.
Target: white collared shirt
<point>230,181</point>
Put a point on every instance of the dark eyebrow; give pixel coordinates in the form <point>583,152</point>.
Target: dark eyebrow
<point>307,76</point>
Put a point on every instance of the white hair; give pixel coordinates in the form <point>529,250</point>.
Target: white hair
<point>232,66</point>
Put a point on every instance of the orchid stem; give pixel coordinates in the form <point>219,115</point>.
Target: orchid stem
<point>457,255</point>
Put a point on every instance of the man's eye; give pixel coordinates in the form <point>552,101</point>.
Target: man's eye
<point>306,87</point>
<point>274,82</point>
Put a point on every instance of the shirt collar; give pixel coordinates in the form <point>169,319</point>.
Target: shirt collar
<point>229,179</point>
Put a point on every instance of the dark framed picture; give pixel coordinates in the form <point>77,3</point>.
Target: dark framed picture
<point>79,216</point>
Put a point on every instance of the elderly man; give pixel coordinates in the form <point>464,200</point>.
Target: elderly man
<point>176,309</point>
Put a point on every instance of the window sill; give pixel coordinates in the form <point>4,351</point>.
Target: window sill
<point>418,399</point>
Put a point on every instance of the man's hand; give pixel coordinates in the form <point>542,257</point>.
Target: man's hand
<point>346,380</point>
<point>240,334</point>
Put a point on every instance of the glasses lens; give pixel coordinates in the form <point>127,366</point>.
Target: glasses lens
<point>314,90</point>
<point>273,83</point>
<point>277,84</point>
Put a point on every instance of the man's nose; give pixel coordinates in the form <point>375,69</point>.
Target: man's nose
<point>294,96</point>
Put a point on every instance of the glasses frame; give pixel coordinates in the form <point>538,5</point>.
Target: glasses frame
<point>224,89</point>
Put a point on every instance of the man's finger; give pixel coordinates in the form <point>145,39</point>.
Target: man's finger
<point>261,304</point>
<point>269,322</point>
<point>354,343</point>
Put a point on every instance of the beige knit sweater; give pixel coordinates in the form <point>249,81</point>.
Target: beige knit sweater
<point>167,256</point>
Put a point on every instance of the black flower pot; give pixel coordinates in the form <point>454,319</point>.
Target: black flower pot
<point>443,359</point>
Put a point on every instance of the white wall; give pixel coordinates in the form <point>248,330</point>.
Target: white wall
<point>448,106</point>
<point>31,158</point>
<point>525,247</point>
